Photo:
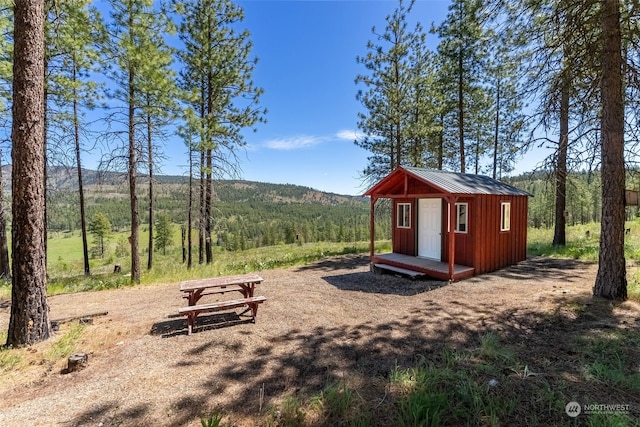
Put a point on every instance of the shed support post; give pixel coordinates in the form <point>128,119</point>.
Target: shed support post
<point>372,228</point>
<point>452,235</point>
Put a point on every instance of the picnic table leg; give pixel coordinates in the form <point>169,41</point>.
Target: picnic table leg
<point>254,310</point>
<point>191,319</point>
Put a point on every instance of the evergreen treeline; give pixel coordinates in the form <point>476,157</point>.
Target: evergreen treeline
<point>583,197</point>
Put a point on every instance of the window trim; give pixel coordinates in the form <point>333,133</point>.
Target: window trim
<point>505,216</point>
<point>403,213</point>
<point>466,218</point>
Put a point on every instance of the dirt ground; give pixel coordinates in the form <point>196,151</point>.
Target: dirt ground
<point>326,321</point>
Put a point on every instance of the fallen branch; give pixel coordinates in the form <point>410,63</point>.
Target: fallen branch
<point>83,319</point>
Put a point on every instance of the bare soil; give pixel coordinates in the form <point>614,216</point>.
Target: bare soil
<point>327,321</point>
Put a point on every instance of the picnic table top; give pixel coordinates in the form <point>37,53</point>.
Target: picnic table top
<point>212,282</point>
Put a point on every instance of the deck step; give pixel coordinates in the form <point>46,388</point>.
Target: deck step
<point>412,273</point>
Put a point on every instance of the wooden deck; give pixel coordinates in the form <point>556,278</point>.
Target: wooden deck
<point>423,266</point>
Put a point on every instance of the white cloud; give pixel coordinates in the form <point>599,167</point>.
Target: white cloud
<point>348,134</point>
<point>295,142</point>
<point>306,141</point>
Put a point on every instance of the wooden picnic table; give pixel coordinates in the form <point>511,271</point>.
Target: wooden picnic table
<point>244,283</point>
<point>196,289</point>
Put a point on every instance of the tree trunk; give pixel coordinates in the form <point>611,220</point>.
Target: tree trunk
<point>83,219</point>
<point>134,238</point>
<point>559,234</point>
<point>201,222</point>
<point>190,213</point>
<point>151,219</point>
<point>5,267</point>
<point>29,321</point>
<point>207,210</point>
<point>461,113</point>
<point>133,197</point>
<point>611,280</point>
<point>496,134</point>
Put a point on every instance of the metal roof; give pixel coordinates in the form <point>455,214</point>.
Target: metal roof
<point>463,183</point>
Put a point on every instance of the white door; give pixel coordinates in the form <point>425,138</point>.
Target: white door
<point>430,228</point>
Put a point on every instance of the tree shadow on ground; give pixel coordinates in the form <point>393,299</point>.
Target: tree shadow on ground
<point>111,414</point>
<point>345,262</point>
<point>382,283</point>
<point>562,270</point>
<point>175,327</point>
<point>303,362</point>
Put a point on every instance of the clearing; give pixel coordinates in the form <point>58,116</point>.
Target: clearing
<point>326,322</point>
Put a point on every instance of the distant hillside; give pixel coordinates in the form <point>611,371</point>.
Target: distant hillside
<point>116,185</point>
<point>245,213</point>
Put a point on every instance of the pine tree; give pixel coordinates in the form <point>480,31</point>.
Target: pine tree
<point>509,121</point>
<point>133,29</point>
<point>6,61</point>
<point>217,80</point>
<point>399,113</point>
<point>611,280</point>
<point>74,32</point>
<point>164,235</point>
<point>158,94</point>
<point>29,320</point>
<point>100,227</point>
<point>462,49</point>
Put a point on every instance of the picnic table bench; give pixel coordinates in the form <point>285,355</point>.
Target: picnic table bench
<point>196,289</point>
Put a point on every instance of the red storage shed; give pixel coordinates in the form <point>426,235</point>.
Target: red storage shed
<point>450,225</point>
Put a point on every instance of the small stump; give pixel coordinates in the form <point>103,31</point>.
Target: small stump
<point>77,362</point>
<point>117,268</point>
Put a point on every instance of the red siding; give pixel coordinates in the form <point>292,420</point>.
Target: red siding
<point>404,239</point>
<point>465,242</point>
<point>497,249</point>
<point>485,247</point>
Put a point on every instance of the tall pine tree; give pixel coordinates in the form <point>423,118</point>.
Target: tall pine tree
<point>217,80</point>
<point>462,49</point>
<point>133,29</point>
<point>399,113</point>
<point>29,320</point>
<point>74,34</point>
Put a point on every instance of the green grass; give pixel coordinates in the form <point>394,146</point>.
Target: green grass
<point>290,413</point>
<point>212,420</point>
<point>584,246</point>
<point>606,358</point>
<point>9,358</point>
<point>582,242</point>
<point>66,345</point>
<point>579,244</point>
<point>65,266</point>
<point>451,390</point>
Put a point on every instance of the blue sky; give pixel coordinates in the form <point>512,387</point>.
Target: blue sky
<point>307,66</point>
<point>307,52</point>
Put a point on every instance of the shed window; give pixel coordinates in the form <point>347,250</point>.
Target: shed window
<point>505,216</point>
<point>404,215</point>
<point>462,218</point>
